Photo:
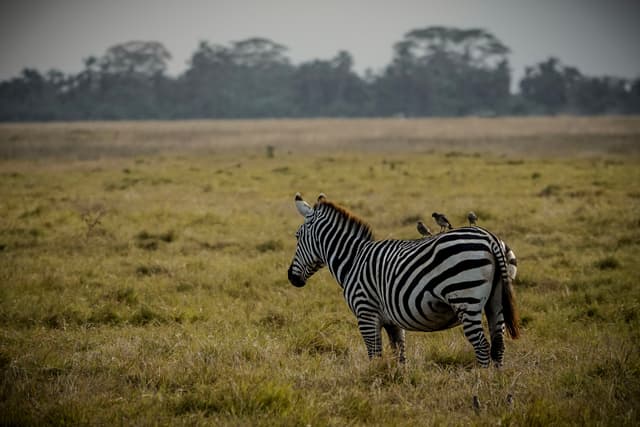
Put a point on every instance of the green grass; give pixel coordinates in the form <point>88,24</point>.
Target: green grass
<point>148,286</point>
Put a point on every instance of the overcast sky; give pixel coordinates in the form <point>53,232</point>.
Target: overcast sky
<point>597,36</point>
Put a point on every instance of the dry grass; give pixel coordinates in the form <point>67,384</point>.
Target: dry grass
<point>564,136</point>
<point>143,270</point>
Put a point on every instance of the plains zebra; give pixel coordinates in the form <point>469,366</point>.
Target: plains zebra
<point>427,284</point>
<point>512,261</point>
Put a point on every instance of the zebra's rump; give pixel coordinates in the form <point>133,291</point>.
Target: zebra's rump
<point>430,280</point>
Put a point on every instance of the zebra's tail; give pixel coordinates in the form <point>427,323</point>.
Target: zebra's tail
<point>509,309</point>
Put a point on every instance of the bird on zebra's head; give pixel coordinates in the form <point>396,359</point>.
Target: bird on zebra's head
<point>472,217</point>
<point>442,221</point>
<point>423,229</point>
<point>420,285</point>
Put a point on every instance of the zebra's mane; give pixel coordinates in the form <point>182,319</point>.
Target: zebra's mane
<point>349,216</point>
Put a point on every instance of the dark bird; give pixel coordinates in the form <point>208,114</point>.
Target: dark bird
<point>476,404</point>
<point>442,221</point>
<point>423,229</point>
<point>510,399</point>
<point>472,217</point>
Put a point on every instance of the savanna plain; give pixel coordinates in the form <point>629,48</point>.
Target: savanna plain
<point>143,271</point>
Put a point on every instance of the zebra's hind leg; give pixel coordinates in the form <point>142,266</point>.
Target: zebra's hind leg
<point>495,318</point>
<point>396,337</point>
<point>471,319</point>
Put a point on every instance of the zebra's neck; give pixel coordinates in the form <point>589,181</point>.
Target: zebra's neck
<point>341,236</point>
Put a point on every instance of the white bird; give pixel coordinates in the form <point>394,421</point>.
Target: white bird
<point>472,217</point>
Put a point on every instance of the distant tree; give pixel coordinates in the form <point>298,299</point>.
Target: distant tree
<point>141,58</point>
<point>250,78</point>
<point>263,78</point>
<point>446,71</point>
<point>329,88</point>
<point>553,88</point>
<point>31,96</point>
<point>600,95</point>
<point>129,77</point>
<point>435,71</point>
<point>548,85</point>
<point>205,89</point>
<point>632,104</point>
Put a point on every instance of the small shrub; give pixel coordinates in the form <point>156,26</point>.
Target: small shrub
<point>525,321</point>
<point>145,315</point>
<point>106,315</point>
<point>63,319</point>
<point>550,190</point>
<point>319,341</point>
<point>525,282</point>
<point>125,295</point>
<point>271,151</point>
<point>274,320</point>
<point>66,414</point>
<point>151,241</point>
<point>31,213</point>
<point>243,398</point>
<point>591,312</point>
<point>270,246</point>
<point>151,270</point>
<point>184,287</point>
<point>629,314</point>
<point>608,263</point>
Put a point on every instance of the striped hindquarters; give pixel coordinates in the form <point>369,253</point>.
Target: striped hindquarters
<point>421,283</point>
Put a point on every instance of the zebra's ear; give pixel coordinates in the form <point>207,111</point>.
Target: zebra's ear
<point>303,207</point>
<point>322,198</point>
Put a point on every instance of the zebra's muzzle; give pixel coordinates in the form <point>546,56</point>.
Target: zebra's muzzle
<point>295,280</point>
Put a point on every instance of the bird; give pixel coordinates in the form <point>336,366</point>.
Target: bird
<point>476,404</point>
<point>472,217</point>
<point>442,221</point>
<point>510,399</point>
<point>423,229</point>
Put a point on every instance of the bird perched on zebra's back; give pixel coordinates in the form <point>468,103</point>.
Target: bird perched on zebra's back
<point>423,229</point>
<point>472,217</point>
<point>442,221</point>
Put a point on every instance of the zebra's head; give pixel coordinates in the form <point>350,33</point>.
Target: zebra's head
<point>308,258</point>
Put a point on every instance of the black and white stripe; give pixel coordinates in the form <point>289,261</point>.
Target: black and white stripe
<point>428,284</point>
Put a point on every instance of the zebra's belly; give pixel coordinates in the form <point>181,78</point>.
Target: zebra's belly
<point>429,317</point>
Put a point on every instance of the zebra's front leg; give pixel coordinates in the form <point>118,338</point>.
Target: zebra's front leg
<point>370,330</point>
<point>471,319</point>
<point>396,337</point>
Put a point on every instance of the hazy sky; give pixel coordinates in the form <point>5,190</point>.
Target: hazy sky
<point>598,36</point>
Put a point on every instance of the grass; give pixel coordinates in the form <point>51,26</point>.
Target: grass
<point>143,270</point>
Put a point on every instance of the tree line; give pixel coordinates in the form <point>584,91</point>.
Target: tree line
<point>435,71</point>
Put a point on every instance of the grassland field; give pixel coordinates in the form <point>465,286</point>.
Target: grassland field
<point>143,271</point>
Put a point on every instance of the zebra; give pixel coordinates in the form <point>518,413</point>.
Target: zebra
<point>426,285</point>
<point>512,261</point>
